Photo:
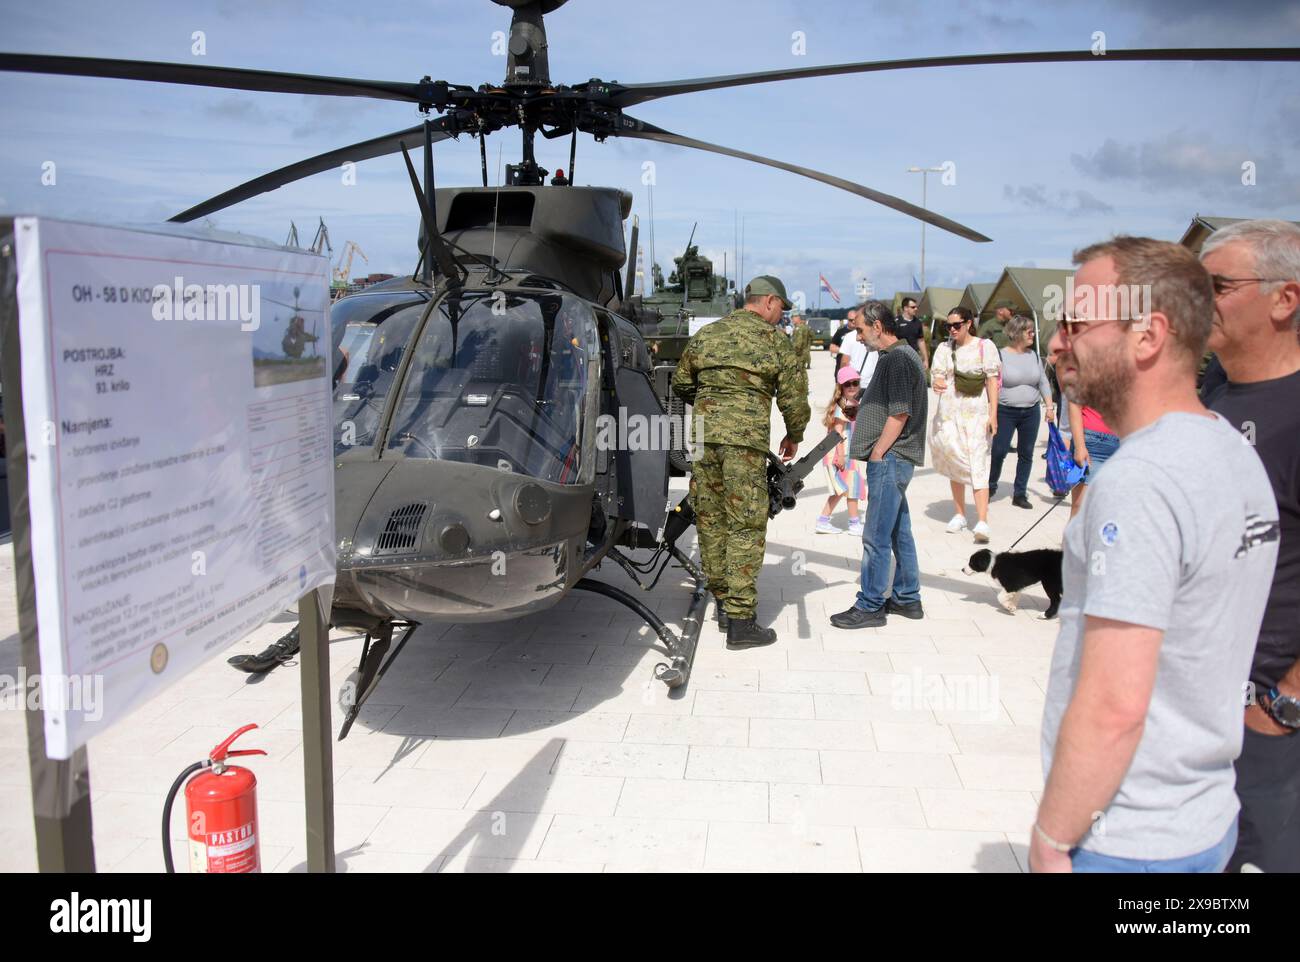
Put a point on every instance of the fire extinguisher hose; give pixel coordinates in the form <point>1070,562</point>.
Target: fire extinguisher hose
<point>167,812</point>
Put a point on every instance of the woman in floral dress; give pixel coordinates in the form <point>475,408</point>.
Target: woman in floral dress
<point>964,375</point>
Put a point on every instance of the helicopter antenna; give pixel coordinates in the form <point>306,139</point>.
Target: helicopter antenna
<point>573,152</point>
<point>435,244</point>
<point>496,210</point>
<point>430,197</point>
<point>482,152</point>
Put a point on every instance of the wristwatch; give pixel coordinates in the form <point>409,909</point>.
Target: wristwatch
<point>1284,709</point>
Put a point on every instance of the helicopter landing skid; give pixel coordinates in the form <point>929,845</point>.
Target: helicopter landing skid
<point>373,667</point>
<point>681,650</point>
<point>678,672</point>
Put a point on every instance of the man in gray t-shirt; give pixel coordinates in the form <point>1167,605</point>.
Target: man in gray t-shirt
<point>1166,574</point>
<point>1168,542</point>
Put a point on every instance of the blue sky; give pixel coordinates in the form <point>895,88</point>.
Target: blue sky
<point>1047,158</point>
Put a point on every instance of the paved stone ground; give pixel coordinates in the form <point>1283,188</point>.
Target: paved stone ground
<point>544,744</point>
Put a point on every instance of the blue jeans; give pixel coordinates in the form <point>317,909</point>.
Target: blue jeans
<point>1100,446</point>
<point>1213,860</point>
<point>1011,421</point>
<point>888,531</point>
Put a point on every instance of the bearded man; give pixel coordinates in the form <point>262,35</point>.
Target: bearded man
<point>1166,574</point>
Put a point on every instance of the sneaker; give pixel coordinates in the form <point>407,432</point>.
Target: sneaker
<point>912,611</point>
<point>982,532</point>
<point>858,618</point>
<point>855,528</point>
<point>958,523</point>
<point>824,526</point>
<point>1020,501</point>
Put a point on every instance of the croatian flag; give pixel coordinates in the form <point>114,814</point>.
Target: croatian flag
<point>826,286</point>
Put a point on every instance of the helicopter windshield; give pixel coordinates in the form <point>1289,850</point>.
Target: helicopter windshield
<point>374,339</point>
<point>505,380</point>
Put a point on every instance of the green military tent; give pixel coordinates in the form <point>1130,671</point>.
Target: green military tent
<point>1036,292</point>
<point>975,298</point>
<point>1199,230</point>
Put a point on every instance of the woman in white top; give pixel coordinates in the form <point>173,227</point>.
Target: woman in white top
<point>964,375</point>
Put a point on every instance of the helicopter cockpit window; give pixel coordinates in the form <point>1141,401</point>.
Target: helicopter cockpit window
<point>507,381</point>
<point>374,352</point>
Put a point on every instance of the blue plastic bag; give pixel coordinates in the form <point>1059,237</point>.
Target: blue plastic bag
<point>1062,473</point>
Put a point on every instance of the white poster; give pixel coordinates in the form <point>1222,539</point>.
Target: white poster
<point>696,323</point>
<point>176,395</point>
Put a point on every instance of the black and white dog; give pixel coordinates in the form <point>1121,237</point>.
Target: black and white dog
<point>1014,571</point>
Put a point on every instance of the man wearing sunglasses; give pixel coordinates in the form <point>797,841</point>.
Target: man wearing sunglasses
<point>1166,570</point>
<point>1255,269</point>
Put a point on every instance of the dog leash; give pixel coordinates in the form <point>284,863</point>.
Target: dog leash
<point>1036,523</point>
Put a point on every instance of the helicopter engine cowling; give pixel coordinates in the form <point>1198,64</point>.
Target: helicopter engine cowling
<point>452,542</point>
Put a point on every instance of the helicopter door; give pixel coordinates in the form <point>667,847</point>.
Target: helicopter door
<point>642,433</point>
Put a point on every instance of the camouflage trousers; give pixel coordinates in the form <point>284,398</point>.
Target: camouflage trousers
<point>729,495</point>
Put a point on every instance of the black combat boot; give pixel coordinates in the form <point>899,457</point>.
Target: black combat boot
<point>277,654</point>
<point>720,613</point>
<point>744,633</point>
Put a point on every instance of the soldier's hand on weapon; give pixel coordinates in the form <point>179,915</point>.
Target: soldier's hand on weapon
<point>788,449</point>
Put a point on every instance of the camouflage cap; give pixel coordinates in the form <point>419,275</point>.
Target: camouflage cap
<point>767,284</point>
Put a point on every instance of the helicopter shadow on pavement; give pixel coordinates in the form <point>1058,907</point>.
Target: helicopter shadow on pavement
<point>503,821</point>
<point>543,672</point>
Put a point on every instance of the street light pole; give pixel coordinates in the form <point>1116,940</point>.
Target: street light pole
<point>923,171</point>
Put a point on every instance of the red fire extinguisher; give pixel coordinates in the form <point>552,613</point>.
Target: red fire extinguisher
<point>220,813</point>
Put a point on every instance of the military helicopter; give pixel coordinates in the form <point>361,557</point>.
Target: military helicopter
<point>469,482</point>
<point>296,336</point>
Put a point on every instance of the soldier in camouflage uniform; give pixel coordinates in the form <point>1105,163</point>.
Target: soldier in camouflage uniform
<point>730,372</point>
<point>802,341</point>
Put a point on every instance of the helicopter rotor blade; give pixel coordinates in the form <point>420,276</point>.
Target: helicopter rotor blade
<point>630,127</point>
<point>366,150</point>
<point>232,78</point>
<point>630,95</point>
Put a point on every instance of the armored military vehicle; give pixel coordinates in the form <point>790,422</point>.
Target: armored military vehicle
<point>670,313</point>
